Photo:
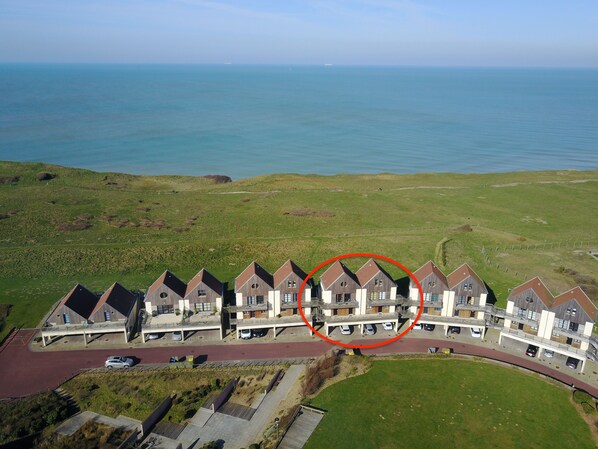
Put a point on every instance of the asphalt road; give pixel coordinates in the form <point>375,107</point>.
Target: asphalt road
<point>23,372</point>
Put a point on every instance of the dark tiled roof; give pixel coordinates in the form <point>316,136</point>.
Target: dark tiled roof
<point>253,268</point>
<point>207,278</point>
<point>285,270</point>
<point>117,297</point>
<point>171,281</point>
<point>80,300</point>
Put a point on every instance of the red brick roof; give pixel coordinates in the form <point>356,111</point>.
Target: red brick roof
<point>335,271</point>
<point>171,281</point>
<point>285,270</point>
<point>579,295</point>
<point>80,300</point>
<point>369,270</point>
<point>538,287</point>
<point>207,278</point>
<point>427,269</point>
<point>253,268</point>
<point>462,273</point>
<point>117,297</point>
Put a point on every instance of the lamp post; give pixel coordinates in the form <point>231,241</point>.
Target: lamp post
<point>276,421</point>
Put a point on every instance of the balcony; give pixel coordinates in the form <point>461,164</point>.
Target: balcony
<point>543,342</point>
<point>339,305</point>
<point>382,302</point>
<point>571,334</point>
<point>367,318</point>
<point>294,305</point>
<point>85,328</point>
<point>248,308</point>
<point>265,322</point>
<point>472,307</point>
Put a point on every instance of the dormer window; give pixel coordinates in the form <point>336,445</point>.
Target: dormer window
<point>201,293</point>
<point>377,281</point>
<point>254,285</point>
<point>568,311</point>
<point>573,312</point>
<point>432,284</point>
<point>467,286</point>
<point>163,295</point>
<point>291,283</point>
<point>343,284</point>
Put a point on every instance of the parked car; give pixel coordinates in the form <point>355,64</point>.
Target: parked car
<point>259,332</point>
<point>417,327</point>
<point>177,335</point>
<point>531,351</point>
<point>245,334</point>
<point>429,327</point>
<point>369,329</point>
<point>548,353</point>
<point>116,361</point>
<point>572,362</point>
<point>454,330</point>
<point>346,330</point>
<point>153,336</point>
<point>475,332</point>
<point>387,326</point>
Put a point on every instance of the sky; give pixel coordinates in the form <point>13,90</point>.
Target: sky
<point>522,33</point>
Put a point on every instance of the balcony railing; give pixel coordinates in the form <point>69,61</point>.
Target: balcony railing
<point>382,302</point>
<point>294,305</point>
<point>248,322</point>
<point>367,318</point>
<point>339,305</point>
<point>247,308</point>
<point>106,326</point>
<point>570,333</point>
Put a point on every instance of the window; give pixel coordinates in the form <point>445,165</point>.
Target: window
<point>568,311</point>
<point>431,283</point>
<point>461,300</point>
<point>287,297</point>
<point>347,297</point>
<point>250,300</point>
<point>382,295</point>
<point>67,318</point>
<point>427,297</point>
<point>531,315</point>
<point>521,312</point>
<point>163,295</point>
<point>434,297</point>
<point>201,293</point>
<point>373,296</point>
<point>291,283</point>
<point>377,281</point>
<point>254,285</point>
<point>467,286</point>
<point>573,312</point>
<point>259,299</point>
<point>339,297</point>
<point>573,327</point>
<point>203,307</point>
<point>107,316</point>
<point>343,284</point>
<point>166,308</point>
<point>295,297</point>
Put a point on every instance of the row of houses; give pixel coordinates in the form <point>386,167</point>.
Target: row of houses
<point>262,300</point>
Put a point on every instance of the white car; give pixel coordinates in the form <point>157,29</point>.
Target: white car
<point>417,327</point>
<point>475,332</point>
<point>368,329</point>
<point>387,326</point>
<point>116,361</point>
<point>548,353</point>
<point>177,335</point>
<point>346,330</point>
<point>153,336</point>
<point>246,334</point>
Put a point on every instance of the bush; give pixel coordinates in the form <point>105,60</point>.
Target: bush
<point>588,408</point>
<point>580,396</point>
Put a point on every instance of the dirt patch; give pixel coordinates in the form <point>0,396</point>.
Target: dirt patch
<point>249,388</point>
<point>143,209</point>
<point>9,179</point>
<point>181,229</point>
<point>304,212</point>
<point>218,179</point>
<point>191,220</point>
<point>146,222</point>
<point>80,223</point>
<point>45,176</point>
<point>463,228</point>
<point>587,283</point>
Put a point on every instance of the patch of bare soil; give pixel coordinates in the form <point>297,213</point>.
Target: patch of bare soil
<point>9,179</point>
<point>304,212</point>
<point>251,387</point>
<point>80,223</point>
<point>218,179</point>
<point>463,228</point>
<point>45,176</point>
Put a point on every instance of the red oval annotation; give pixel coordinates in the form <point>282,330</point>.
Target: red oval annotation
<point>348,256</point>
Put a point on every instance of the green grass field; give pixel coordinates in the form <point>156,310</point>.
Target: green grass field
<point>455,404</point>
<point>96,228</point>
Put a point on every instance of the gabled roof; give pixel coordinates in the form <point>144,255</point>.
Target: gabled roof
<point>171,281</point>
<point>253,268</point>
<point>369,270</point>
<point>117,297</point>
<point>80,300</point>
<point>427,269</point>
<point>462,273</point>
<point>207,278</point>
<point>538,287</point>
<point>582,299</point>
<point>336,270</point>
<point>285,270</point>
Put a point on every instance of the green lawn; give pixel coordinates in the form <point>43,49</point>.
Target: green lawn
<point>447,404</point>
<point>134,227</point>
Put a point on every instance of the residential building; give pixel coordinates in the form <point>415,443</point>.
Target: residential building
<point>202,304</point>
<point>338,292</point>
<point>254,295</point>
<point>377,295</point>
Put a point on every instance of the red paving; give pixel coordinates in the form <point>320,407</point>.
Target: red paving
<point>23,372</point>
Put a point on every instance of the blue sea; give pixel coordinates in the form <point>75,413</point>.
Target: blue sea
<point>244,121</point>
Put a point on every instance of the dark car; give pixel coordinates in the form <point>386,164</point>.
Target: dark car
<point>531,351</point>
<point>429,327</point>
<point>572,362</point>
<point>258,333</point>
<point>454,330</point>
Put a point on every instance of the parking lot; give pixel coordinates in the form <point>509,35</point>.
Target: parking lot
<point>557,361</point>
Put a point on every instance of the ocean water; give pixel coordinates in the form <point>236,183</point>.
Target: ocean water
<point>244,121</point>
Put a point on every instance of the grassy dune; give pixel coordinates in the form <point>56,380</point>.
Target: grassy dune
<point>96,228</point>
